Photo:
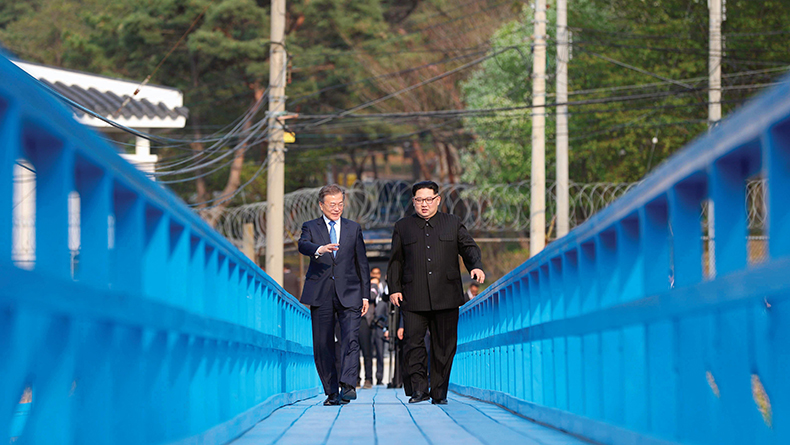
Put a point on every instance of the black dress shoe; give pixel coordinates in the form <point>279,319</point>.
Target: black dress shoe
<point>439,401</point>
<point>347,393</point>
<point>332,399</point>
<point>418,397</point>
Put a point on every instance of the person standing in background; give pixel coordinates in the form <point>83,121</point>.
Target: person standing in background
<point>378,329</point>
<point>366,335</point>
<point>290,281</point>
<point>472,292</point>
<point>383,288</point>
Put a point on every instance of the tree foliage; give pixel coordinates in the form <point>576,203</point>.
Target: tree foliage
<point>373,52</point>
<point>620,43</point>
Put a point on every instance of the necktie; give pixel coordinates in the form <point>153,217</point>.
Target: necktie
<point>332,235</point>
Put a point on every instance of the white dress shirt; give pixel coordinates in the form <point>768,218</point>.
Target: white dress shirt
<point>328,228</point>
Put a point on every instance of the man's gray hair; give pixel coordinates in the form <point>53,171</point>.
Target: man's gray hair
<point>331,189</point>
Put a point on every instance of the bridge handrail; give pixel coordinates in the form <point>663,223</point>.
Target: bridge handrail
<point>163,332</point>
<point>616,332</point>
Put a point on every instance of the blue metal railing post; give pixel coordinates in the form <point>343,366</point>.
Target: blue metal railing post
<point>53,161</point>
<point>95,191</point>
<point>9,146</point>
<point>685,206</point>
<point>127,256</point>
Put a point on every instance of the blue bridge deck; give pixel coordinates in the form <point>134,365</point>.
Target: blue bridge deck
<point>384,416</point>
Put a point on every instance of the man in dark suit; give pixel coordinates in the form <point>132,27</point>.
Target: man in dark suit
<point>425,281</point>
<point>337,288</point>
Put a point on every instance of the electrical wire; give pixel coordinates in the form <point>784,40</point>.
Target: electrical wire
<point>161,62</point>
<point>298,99</point>
<point>412,87</point>
<point>223,199</point>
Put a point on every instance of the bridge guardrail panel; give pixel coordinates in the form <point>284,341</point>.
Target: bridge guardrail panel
<point>643,325</point>
<point>161,332</point>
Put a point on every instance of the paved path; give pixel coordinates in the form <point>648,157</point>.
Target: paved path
<point>383,416</point>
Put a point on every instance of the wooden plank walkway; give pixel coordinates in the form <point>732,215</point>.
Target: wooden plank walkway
<point>383,416</point>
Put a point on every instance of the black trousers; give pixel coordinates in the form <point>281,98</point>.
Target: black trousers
<point>366,346</point>
<point>323,319</point>
<point>371,342</point>
<point>444,342</point>
<point>377,338</point>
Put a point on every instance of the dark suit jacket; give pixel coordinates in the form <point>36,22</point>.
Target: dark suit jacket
<point>424,261</point>
<point>348,269</point>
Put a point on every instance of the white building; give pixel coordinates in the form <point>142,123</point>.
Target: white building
<point>154,107</point>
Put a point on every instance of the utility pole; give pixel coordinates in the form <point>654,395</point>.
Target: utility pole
<point>714,110</point>
<point>714,63</point>
<point>537,204</point>
<point>275,185</point>
<point>562,119</point>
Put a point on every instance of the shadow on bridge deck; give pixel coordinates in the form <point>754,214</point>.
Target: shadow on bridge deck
<point>384,416</point>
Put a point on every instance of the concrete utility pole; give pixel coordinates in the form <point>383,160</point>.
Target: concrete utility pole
<point>714,63</point>
<point>537,205</point>
<point>275,186</point>
<point>562,119</point>
<point>714,110</point>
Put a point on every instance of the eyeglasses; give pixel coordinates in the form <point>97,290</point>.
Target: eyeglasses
<point>419,201</point>
<point>333,205</point>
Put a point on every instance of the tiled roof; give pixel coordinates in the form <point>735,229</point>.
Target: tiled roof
<point>107,103</point>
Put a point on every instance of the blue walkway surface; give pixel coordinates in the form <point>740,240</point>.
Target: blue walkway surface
<point>384,416</point>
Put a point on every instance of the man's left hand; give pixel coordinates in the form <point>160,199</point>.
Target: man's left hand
<point>478,275</point>
<point>365,306</point>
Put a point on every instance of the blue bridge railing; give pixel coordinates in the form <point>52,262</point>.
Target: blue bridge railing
<point>163,332</point>
<point>615,333</point>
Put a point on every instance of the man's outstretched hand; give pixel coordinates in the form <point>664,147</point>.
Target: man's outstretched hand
<point>396,298</point>
<point>326,248</point>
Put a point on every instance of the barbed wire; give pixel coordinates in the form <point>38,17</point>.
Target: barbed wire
<point>502,208</point>
<point>379,204</point>
<point>483,209</point>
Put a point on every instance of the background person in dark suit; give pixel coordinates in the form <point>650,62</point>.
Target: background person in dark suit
<point>425,281</point>
<point>290,281</point>
<point>337,288</point>
<point>472,292</point>
<point>366,335</point>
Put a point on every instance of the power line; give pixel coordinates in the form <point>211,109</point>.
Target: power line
<point>412,87</point>
<point>223,199</point>
<point>580,44</point>
<point>637,69</point>
<point>407,34</point>
<point>382,76</point>
<point>161,62</point>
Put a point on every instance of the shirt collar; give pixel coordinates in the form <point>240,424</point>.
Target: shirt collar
<point>430,221</point>
<point>327,220</point>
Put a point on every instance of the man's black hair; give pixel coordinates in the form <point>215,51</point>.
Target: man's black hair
<point>425,185</point>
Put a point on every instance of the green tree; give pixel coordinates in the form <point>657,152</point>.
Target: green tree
<point>625,53</point>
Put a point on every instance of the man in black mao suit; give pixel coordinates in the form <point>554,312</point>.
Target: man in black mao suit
<point>425,281</point>
<point>337,288</point>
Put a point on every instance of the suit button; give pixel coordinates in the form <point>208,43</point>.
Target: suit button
<point>430,273</point>
<point>333,277</point>
<point>429,247</point>
<point>426,234</point>
<point>429,260</point>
